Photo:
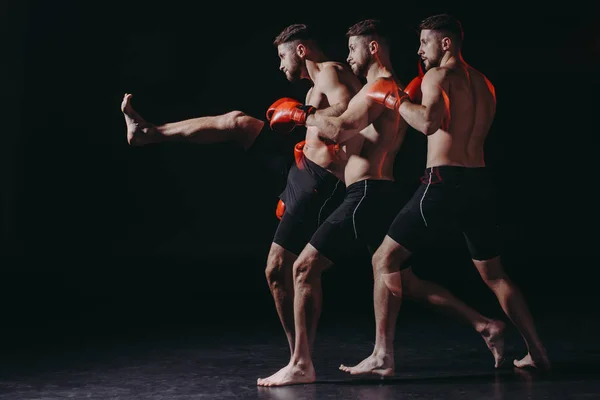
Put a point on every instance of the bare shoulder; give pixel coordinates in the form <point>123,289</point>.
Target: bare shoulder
<point>333,74</point>
<point>481,81</point>
<point>335,67</point>
<point>478,75</point>
<point>332,71</point>
<point>437,75</point>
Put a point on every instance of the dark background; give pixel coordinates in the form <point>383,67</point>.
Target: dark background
<point>95,231</point>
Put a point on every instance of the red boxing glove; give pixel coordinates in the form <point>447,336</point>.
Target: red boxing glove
<point>413,90</point>
<point>385,91</point>
<point>285,114</point>
<point>274,106</point>
<point>280,209</point>
<point>299,153</point>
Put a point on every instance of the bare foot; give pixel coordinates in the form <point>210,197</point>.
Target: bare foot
<point>380,364</point>
<point>139,132</point>
<point>292,374</point>
<point>540,363</point>
<point>493,334</point>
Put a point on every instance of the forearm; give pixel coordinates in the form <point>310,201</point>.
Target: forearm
<point>418,117</point>
<point>328,127</point>
<point>334,110</point>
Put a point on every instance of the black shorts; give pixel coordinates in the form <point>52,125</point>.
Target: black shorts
<point>363,218</point>
<point>311,194</point>
<point>451,198</point>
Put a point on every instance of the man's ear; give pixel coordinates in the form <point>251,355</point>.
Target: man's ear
<point>446,43</point>
<point>373,47</point>
<point>301,50</point>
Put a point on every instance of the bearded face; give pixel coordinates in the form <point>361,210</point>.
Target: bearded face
<point>290,62</point>
<point>430,49</point>
<point>359,58</point>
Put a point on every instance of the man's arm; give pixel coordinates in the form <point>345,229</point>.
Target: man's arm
<point>361,112</point>
<point>286,113</point>
<point>428,116</point>
<point>338,94</point>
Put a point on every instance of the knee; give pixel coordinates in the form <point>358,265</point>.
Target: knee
<point>274,271</point>
<point>491,271</point>
<point>380,260</point>
<point>387,261</point>
<point>303,270</point>
<point>388,258</point>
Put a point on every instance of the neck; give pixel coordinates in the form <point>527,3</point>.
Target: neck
<point>314,64</point>
<point>380,68</point>
<point>450,60</point>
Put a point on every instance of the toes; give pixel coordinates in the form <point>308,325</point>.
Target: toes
<point>518,363</point>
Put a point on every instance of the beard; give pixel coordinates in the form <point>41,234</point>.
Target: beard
<point>431,63</point>
<point>360,70</point>
<point>294,72</point>
<point>293,75</point>
<point>434,61</point>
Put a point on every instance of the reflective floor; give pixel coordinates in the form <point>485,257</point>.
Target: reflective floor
<point>437,358</point>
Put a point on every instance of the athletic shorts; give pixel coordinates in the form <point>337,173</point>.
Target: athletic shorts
<point>311,194</point>
<point>362,219</point>
<point>451,198</point>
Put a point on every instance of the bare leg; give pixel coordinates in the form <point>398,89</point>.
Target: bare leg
<point>234,126</point>
<point>492,331</point>
<point>387,259</point>
<point>280,265</point>
<point>514,305</point>
<point>308,298</point>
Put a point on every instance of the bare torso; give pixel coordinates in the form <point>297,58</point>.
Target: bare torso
<point>373,152</point>
<point>316,149</point>
<point>472,106</point>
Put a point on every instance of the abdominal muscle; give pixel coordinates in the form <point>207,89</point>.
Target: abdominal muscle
<point>320,153</point>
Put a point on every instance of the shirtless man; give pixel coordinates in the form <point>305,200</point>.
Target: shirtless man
<point>313,189</point>
<point>457,110</point>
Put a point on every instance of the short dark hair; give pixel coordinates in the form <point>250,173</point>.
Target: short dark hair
<point>446,24</point>
<point>373,29</point>
<point>294,32</point>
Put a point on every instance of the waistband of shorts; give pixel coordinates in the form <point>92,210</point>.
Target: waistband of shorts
<point>377,184</point>
<point>441,173</point>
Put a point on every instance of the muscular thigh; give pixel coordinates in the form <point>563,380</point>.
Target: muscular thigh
<point>479,222</point>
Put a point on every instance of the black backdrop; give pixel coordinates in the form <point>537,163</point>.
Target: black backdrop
<point>181,230</point>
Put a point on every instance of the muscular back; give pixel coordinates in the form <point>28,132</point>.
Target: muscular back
<point>334,86</point>
<point>471,103</point>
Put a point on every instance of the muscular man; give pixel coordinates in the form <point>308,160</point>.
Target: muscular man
<point>457,110</point>
<point>370,136</point>
<point>313,189</point>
